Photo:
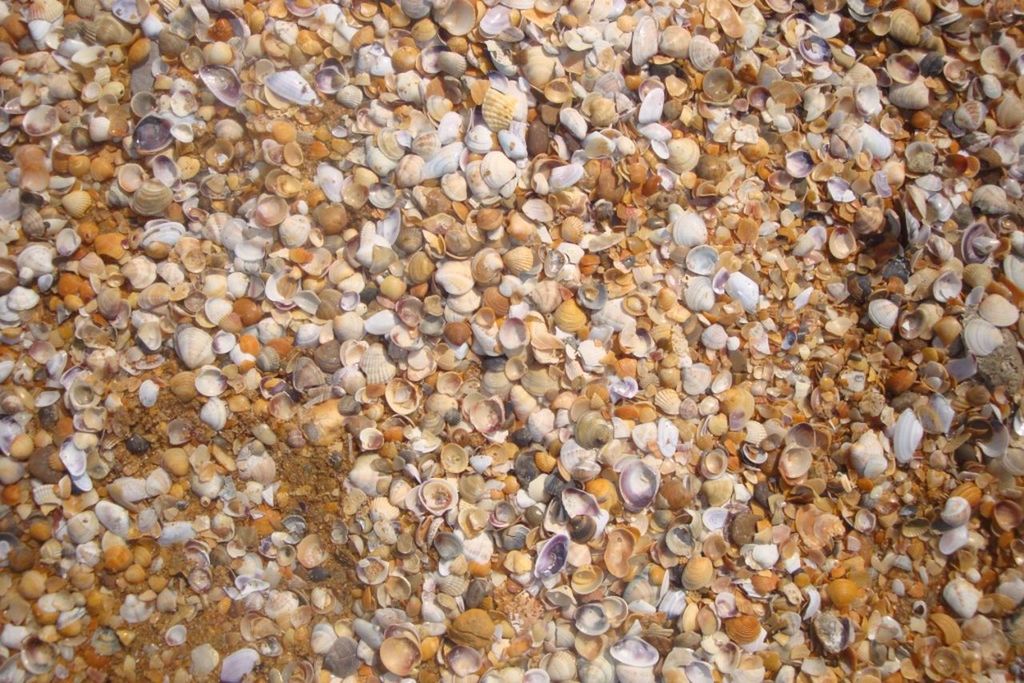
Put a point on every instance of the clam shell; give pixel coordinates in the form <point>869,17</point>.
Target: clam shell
<point>193,346</point>
<point>997,309</point>
<point>223,82</point>
<point>151,199</point>
<point>744,629</point>
<point>982,337</point>
<point>638,484</point>
<point>291,87</point>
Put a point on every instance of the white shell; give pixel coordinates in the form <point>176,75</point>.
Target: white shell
<point>962,597</point>
<point>906,436</point>
<point>883,313</point>
<point>982,337</point>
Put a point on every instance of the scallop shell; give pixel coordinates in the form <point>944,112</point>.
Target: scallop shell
<point>375,365</point>
<point>519,260</point>
<point>77,203</point>
<point>498,109</point>
<point>744,629</point>
<point>194,347</point>
<point>569,317</point>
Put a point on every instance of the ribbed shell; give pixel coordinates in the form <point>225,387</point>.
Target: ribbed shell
<point>376,366</point>
<point>498,109</point>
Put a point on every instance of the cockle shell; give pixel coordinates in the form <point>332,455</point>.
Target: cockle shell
<point>498,109</point>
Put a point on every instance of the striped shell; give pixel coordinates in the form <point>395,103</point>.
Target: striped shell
<point>498,110</point>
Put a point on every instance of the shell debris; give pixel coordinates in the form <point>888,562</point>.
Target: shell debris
<point>511,341</point>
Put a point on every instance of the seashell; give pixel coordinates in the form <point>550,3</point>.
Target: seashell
<point>698,573</point>
<point>77,203</point>
<point>458,17</point>
<point>675,41</point>
<point>990,200</point>
<point>982,337</point>
<point>683,157</point>
<point>538,67</point>
<point>239,664</point>
<point>883,313</point>
<point>644,43</point>
<point>152,134</point>
<point>907,433</point>
<point>223,82</point>
<point>558,666</point>
<point>867,456</point>
<point>634,651</point>
<point>569,317</point>
<point>743,289</point>
<point>40,121</point>
<point>970,115</point>
<point>962,597</point>
<point>638,484</point>
<point>743,629</point>
<point>402,396</point>
<point>904,27</point>
<point>843,592</point>
<point>552,557</point>
<point>834,633</point>
<point>794,464</point>
<point>455,277</point>
<point>291,87</point>
<point>688,228</point>
<point>452,63</point>
<point>497,171</point>
<point>719,86</point>
<point>912,96</point>
<point>498,109</point>
<point>703,54</point>
<point>487,416</point>
<point>437,496</point>
<point>997,309</point>
<point>519,260</point>
<point>311,552</point>
<point>956,511</point>
<point>399,655</point>
<point>376,367</point>
<point>151,199</point>
<point>193,346</point>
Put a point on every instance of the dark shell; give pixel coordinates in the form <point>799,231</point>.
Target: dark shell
<point>223,83</point>
<point>151,135</point>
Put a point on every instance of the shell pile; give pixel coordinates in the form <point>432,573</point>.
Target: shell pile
<point>511,340</point>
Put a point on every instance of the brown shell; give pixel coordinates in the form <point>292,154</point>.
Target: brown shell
<point>743,629</point>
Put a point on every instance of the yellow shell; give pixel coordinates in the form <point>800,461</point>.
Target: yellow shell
<point>737,402</point>
<point>947,626</point>
<point>572,229</point>
<point>77,203</point>
<point>519,260</point>
<point>420,268</point>
<point>843,592</point>
<point>698,573</point>
<point>743,629</point>
<point>569,317</point>
<point>498,110</point>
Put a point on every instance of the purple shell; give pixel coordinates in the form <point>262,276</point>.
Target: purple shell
<point>223,83</point>
<point>978,243</point>
<point>151,135</point>
<point>551,559</point>
<point>633,651</point>
<point>638,484</point>
<point>330,78</point>
<point>799,164</point>
<point>815,50</point>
